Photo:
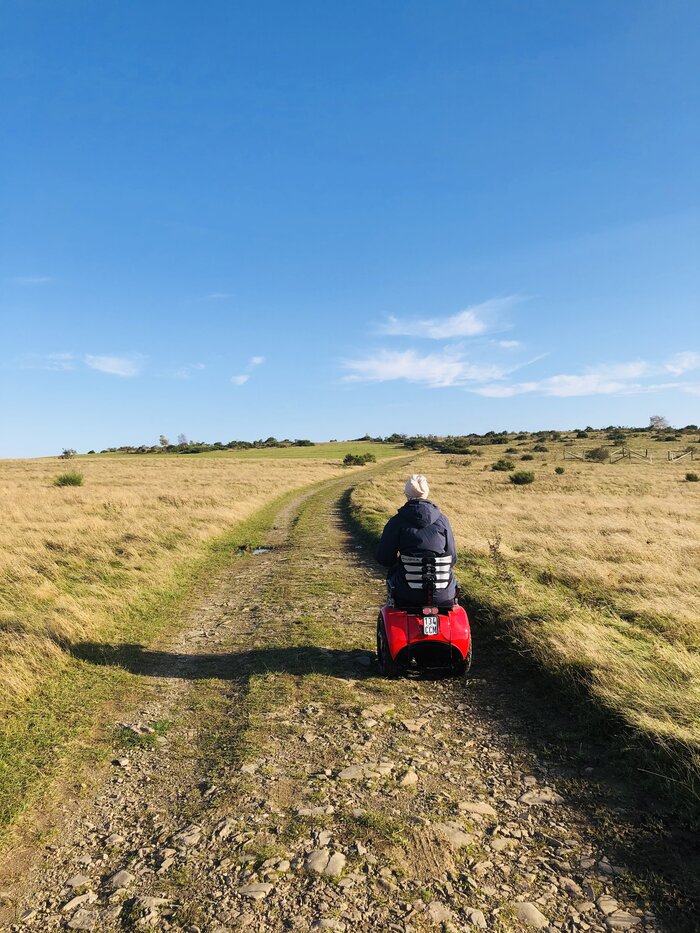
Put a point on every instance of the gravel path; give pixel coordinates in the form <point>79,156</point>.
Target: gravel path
<point>273,781</point>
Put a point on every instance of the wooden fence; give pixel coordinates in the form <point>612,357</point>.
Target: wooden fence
<point>616,454</point>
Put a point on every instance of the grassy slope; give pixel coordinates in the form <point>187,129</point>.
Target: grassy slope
<point>334,450</point>
<point>589,573</point>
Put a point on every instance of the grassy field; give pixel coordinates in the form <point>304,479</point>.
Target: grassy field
<point>73,558</point>
<point>595,572</point>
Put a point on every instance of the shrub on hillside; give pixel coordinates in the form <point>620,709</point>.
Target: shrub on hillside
<point>503,465</point>
<point>540,449</point>
<point>559,470</point>
<point>358,459</point>
<point>527,457</point>
<point>581,434</point>
<point>67,454</point>
<point>522,478</point>
<point>69,479</point>
<point>692,477</point>
<point>598,454</point>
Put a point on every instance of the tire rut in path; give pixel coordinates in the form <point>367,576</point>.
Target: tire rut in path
<point>296,790</point>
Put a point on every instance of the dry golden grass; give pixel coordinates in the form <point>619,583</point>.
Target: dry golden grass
<point>72,558</point>
<point>597,571</point>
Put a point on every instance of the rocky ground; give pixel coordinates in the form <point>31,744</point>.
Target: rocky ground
<point>273,781</point>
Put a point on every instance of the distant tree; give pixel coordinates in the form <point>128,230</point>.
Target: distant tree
<point>67,453</point>
<point>163,441</point>
<point>658,423</point>
<point>182,440</point>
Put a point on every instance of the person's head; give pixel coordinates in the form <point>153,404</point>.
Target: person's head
<point>417,487</point>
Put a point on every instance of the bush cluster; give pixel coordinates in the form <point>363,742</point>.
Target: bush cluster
<point>522,478</point>
<point>503,465</point>
<point>692,477</point>
<point>200,447</point>
<point>358,459</point>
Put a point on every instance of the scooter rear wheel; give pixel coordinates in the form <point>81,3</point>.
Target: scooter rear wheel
<point>387,665</point>
<point>461,669</point>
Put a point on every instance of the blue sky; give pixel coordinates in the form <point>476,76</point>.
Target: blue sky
<point>320,219</point>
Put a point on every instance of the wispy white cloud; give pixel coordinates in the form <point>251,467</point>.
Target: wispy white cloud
<point>629,378</point>
<point>124,366</point>
<point>32,279</point>
<point>494,380</point>
<point>683,362</point>
<point>435,370</point>
<point>562,386</point>
<point>218,296</point>
<point>635,369</point>
<point>471,322</point>
<point>242,378</point>
<point>508,344</point>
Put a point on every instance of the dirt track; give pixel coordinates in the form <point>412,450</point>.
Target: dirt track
<point>274,782</point>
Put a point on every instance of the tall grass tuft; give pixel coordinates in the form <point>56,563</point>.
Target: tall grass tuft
<point>72,478</point>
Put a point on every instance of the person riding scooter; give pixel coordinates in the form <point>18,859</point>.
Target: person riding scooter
<point>418,530</point>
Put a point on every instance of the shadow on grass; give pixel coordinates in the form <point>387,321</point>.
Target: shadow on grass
<point>299,660</point>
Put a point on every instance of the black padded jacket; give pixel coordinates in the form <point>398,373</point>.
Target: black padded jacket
<point>418,529</point>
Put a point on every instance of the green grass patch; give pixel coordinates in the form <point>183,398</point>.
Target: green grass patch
<point>72,478</point>
<point>128,738</point>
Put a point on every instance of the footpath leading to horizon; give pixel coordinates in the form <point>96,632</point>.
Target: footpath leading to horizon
<point>269,779</point>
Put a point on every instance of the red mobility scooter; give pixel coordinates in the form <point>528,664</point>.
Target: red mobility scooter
<point>428,634</point>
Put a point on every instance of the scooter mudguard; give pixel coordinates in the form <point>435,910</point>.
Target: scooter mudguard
<point>404,629</point>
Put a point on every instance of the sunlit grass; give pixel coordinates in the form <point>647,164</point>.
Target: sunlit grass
<point>596,572</point>
<point>73,558</point>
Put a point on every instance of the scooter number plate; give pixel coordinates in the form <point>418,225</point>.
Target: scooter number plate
<point>431,624</point>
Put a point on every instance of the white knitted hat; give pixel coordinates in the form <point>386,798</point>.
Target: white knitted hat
<point>417,487</point>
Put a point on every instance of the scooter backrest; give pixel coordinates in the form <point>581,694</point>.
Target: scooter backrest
<point>422,571</point>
